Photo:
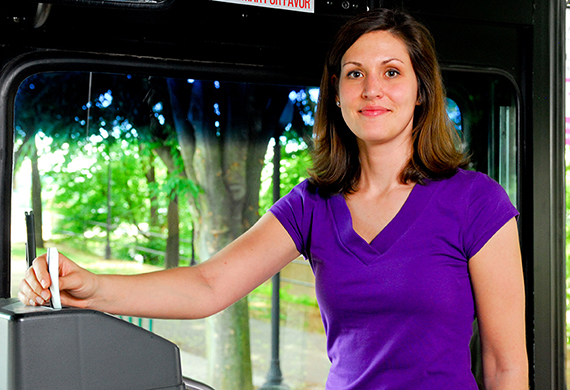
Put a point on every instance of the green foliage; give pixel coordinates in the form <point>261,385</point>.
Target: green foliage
<point>295,160</point>
<point>82,186</point>
<point>175,183</point>
<point>295,148</point>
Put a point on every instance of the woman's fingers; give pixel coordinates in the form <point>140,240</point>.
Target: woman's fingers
<point>30,297</point>
<point>34,288</point>
<point>41,273</point>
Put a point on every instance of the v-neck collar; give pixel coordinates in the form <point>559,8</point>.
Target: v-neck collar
<point>406,216</point>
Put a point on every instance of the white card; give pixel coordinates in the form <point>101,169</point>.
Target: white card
<point>53,268</point>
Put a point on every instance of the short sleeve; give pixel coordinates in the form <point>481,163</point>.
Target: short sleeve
<point>488,210</point>
<point>290,210</point>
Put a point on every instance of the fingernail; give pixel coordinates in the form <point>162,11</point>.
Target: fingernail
<point>43,283</point>
<point>40,301</point>
<point>32,303</point>
<point>45,295</point>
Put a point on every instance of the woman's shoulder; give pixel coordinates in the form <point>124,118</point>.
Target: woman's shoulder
<point>307,191</point>
<point>469,186</point>
<point>469,176</point>
<point>474,188</point>
<point>472,179</point>
<point>303,195</point>
<point>301,190</point>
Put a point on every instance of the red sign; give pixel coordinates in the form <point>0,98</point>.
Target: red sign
<point>291,5</point>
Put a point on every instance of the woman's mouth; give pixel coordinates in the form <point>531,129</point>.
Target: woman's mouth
<point>373,110</point>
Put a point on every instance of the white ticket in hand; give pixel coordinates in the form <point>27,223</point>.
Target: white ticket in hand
<point>53,268</point>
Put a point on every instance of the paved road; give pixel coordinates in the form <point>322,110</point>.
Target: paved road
<point>303,358</point>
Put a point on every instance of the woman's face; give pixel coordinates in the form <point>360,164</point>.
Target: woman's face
<point>377,89</point>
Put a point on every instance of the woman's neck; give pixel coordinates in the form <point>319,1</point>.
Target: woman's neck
<point>381,166</point>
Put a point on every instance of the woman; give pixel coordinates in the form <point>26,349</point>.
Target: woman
<point>405,245</point>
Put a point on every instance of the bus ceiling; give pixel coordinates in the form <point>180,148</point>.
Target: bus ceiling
<point>273,34</point>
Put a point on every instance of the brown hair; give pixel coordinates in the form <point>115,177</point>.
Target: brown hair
<point>336,164</point>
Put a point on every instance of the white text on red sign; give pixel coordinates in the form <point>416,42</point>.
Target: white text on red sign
<point>291,5</point>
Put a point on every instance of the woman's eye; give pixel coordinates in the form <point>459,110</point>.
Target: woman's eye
<point>392,73</point>
<point>354,74</point>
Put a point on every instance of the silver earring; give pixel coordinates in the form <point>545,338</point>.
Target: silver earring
<point>338,104</point>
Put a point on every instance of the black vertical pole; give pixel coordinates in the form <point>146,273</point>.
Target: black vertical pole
<point>275,377</point>
<point>108,245</point>
<point>30,238</point>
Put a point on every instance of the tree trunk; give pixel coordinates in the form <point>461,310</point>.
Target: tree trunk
<point>223,152</point>
<point>172,258</point>
<point>228,348</point>
<point>219,166</point>
<point>151,179</point>
<point>36,196</point>
<point>108,252</point>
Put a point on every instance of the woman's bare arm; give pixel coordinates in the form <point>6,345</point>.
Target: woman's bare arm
<point>185,292</point>
<point>497,278</point>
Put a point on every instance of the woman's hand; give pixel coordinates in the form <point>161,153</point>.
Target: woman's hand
<point>77,285</point>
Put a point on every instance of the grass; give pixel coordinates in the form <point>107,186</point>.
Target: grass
<point>87,260</point>
<point>266,290</point>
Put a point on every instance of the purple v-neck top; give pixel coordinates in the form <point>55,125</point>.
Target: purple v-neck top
<point>398,312</point>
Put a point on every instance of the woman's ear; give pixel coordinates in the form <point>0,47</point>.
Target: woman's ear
<point>420,98</point>
<point>334,83</point>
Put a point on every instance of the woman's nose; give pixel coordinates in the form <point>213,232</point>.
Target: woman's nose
<point>373,88</point>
